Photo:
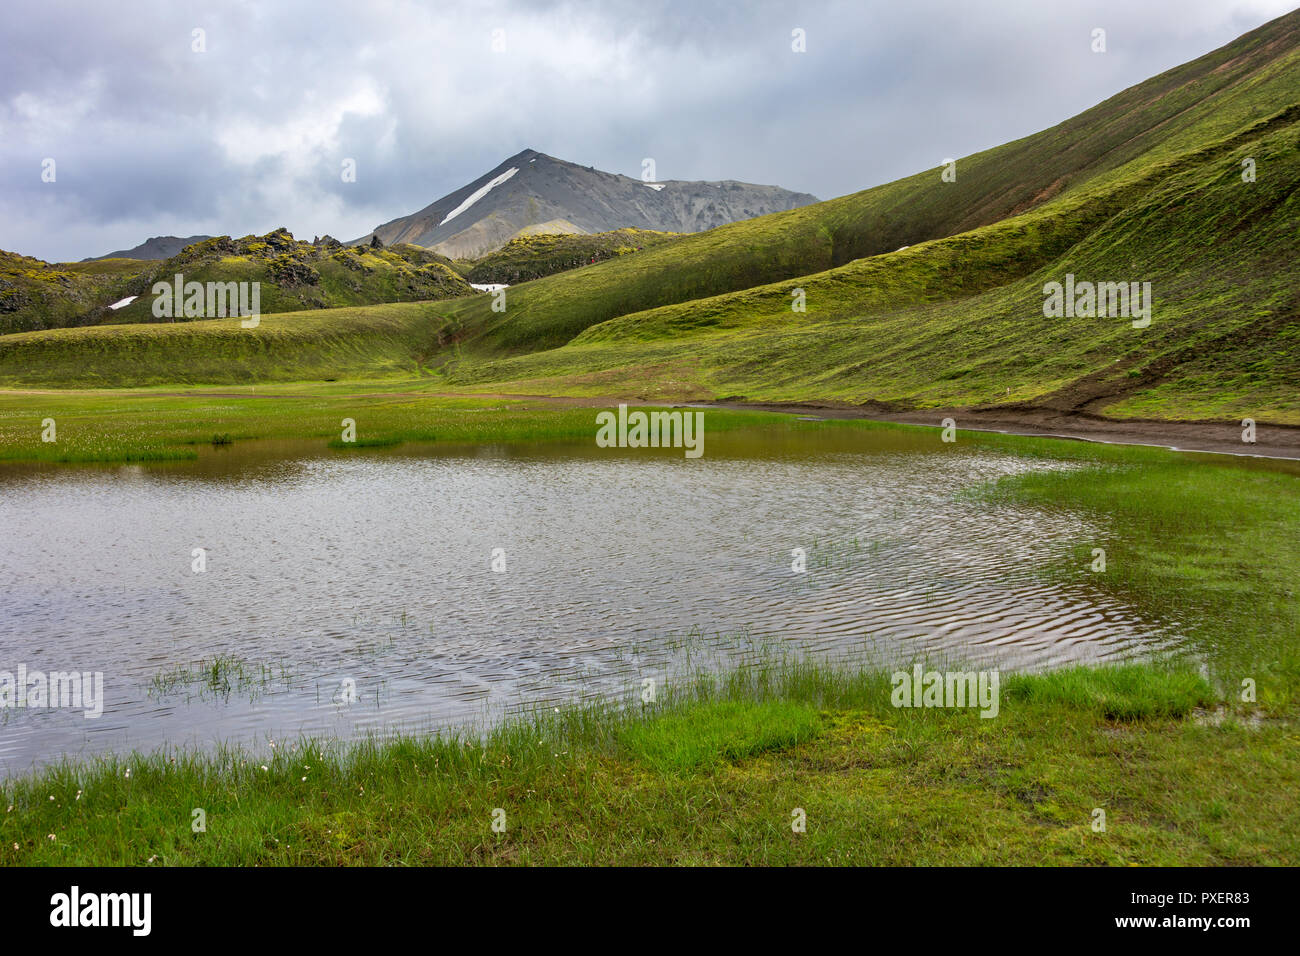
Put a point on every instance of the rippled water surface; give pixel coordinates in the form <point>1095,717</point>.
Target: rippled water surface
<point>376,567</point>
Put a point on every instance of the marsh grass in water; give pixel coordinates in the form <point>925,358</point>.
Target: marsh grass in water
<point>1214,546</point>
<point>220,677</point>
<point>830,554</point>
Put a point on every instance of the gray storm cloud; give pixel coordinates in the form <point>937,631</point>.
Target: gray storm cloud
<point>152,136</point>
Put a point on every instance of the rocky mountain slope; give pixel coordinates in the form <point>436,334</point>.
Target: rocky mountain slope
<point>538,193</point>
<point>293,275</point>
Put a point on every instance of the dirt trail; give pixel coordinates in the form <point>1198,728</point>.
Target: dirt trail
<point>1271,441</point>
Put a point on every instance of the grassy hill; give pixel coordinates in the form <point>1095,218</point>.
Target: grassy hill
<point>294,275</point>
<point>960,321</point>
<point>536,255</point>
<point>1145,187</point>
<point>40,295</point>
<point>289,346</point>
<point>297,275</point>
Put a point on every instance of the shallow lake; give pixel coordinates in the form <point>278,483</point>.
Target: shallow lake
<point>374,570</point>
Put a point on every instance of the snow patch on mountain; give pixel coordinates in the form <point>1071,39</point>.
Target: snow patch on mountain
<point>478,194</point>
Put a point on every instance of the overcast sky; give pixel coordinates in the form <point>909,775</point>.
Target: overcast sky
<point>151,137</point>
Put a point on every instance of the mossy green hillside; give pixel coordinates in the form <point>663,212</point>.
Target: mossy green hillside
<point>1169,116</point>
<point>960,321</point>
<point>529,257</point>
<point>950,322</point>
<point>296,275</point>
<point>325,344</point>
<point>292,274</point>
<point>40,295</point>
<point>1147,187</point>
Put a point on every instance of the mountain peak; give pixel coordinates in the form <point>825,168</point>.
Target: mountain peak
<point>485,214</point>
